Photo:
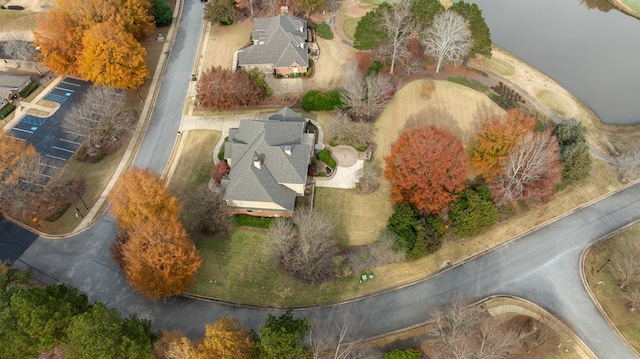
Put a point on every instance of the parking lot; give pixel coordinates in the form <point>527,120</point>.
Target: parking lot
<point>46,134</point>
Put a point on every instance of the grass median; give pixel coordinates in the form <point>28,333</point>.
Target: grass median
<point>604,286</point>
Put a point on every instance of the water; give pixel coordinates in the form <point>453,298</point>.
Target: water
<point>588,47</point>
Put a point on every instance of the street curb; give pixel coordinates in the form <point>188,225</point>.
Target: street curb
<point>590,292</point>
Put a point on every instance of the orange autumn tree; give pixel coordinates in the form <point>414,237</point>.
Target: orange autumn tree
<point>13,153</point>
<point>159,259</point>
<point>112,57</point>
<point>495,139</point>
<point>226,338</point>
<point>427,167</point>
<point>61,49</point>
<point>140,195</point>
<point>157,256</point>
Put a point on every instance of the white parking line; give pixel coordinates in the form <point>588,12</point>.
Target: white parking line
<point>57,158</point>
<point>77,134</point>
<point>64,89</point>
<point>62,149</point>
<point>19,129</point>
<point>69,83</point>
<point>69,141</point>
<point>47,165</point>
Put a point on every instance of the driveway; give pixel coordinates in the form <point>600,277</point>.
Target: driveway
<point>348,170</point>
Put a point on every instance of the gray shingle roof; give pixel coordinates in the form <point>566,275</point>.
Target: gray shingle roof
<point>284,159</point>
<point>281,41</point>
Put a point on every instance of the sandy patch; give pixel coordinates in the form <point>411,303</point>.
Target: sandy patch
<point>454,107</point>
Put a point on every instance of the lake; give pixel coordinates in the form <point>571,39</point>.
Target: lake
<point>588,47</point>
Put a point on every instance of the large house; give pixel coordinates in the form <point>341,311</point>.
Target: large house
<point>268,162</point>
<point>279,46</point>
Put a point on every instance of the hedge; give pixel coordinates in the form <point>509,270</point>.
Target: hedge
<point>315,100</point>
<point>7,110</point>
<point>28,90</point>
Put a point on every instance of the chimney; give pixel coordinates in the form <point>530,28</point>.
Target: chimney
<point>284,9</point>
<point>287,149</point>
<point>256,161</point>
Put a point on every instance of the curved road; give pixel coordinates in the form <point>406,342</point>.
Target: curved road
<point>542,266</point>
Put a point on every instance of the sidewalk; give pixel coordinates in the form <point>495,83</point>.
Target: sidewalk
<point>25,106</point>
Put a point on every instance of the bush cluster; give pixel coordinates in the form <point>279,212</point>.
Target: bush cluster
<point>473,212</point>
<point>162,13</point>
<point>416,235</point>
<point>474,84</point>
<point>324,31</point>
<point>315,100</point>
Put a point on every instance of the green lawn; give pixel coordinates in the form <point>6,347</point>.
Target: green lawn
<point>195,162</point>
<point>608,295</point>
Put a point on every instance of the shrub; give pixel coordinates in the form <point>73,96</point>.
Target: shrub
<point>259,79</point>
<point>221,153</point>
<point>574,152</point>
<point>325,156</point>
<point>28,90</point>
<point>324,31</point>
<point>162,13</point>
<point>473,212</point>
<point>503,101</point>
<point>474,84</point>
<point>315,100</point>
<point>375,67</point>
<point>7,110</point>
<point>415,235</point>
<point>58,213</point>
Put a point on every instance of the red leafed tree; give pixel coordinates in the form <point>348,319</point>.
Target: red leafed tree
<point>531,170</point>
<point>159,259</point>
<point>219,170</point>
<point>495,139</point>
<point>427,167</point>
<point>222,89</point>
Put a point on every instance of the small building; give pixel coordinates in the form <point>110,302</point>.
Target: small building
<point>10,83</point>
<point>279,46</point>
<point>269,161</point>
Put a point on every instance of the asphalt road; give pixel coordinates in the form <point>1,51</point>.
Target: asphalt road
<point>542,266</point>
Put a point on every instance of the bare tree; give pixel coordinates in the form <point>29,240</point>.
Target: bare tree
<point>204,210</point>
<point>398,23</point>
<point>629,163</point>
<point>366,96</point>
<point>495,342</point>
<point>448,38</point>
<point>461,333</point>
<point>531,171</point>
<point>632,295</point>
<point>345,131</point>
<point>102,119</point>
<point>452,324</point>
<point>625,264</point>
<point>271,5</point>
<point>304,245</point>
